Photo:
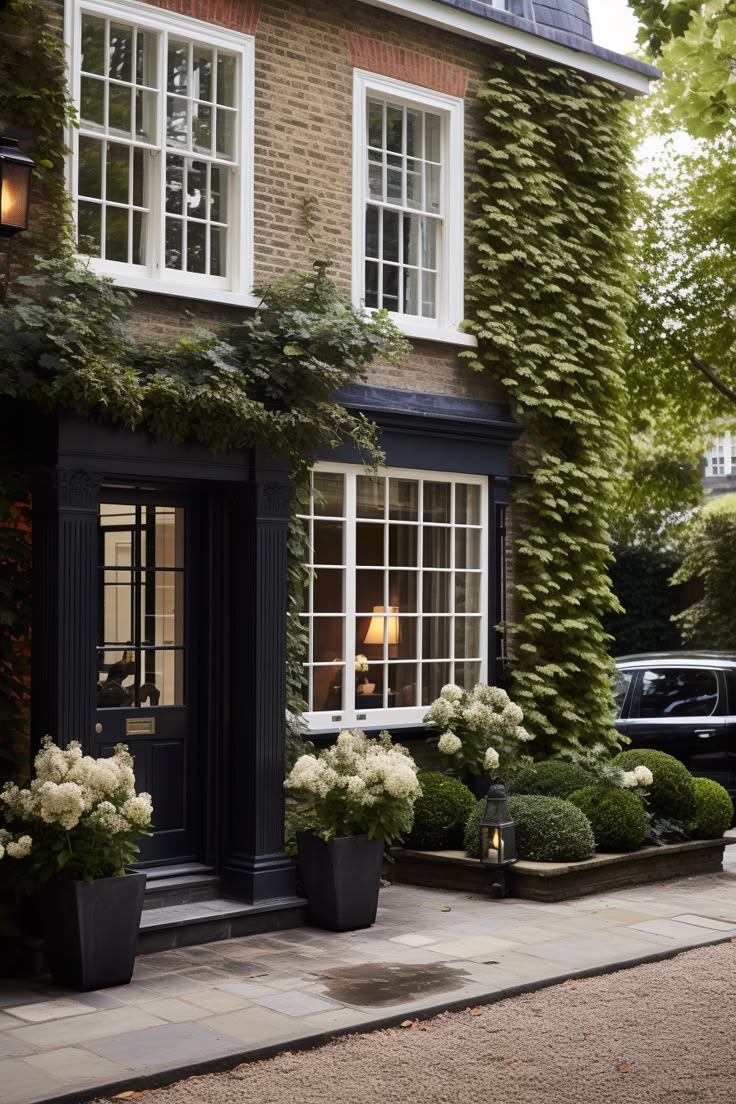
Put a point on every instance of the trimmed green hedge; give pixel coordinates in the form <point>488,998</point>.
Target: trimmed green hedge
<point>671,795</point>
<point>553,778</point>
<point>618,818</point>
<point>548,829</point>
<point>441,813</point>
<point>713,810</point>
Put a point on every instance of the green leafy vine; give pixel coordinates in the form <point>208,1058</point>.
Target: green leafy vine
<point>549,294</point>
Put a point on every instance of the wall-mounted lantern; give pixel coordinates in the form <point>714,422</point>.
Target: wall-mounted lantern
<point>497,839</point>
<point>15,187</point>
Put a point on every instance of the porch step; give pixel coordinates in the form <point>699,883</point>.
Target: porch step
<point>180,884</point>
<point>213,918</point>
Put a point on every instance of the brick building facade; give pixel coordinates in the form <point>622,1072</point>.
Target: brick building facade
<point>207,129</point>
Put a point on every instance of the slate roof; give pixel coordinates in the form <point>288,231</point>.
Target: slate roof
<point>564,21</point>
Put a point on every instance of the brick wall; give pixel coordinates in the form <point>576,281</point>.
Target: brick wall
<point>305,54</point>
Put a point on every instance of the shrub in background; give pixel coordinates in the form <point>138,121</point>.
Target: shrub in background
<point>671,795</point>
<point>441,813</point>
<point>618,818</point>
<point>710,622</point>
<point>553,778</point>
<point>548,829</point>
<point>641,582</point>
<point>713,810</point>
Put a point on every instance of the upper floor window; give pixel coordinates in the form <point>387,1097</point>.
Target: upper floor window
<point>408,204</point>
<point>720,458</point>
<point>396,607</point>
<point>161,161</point>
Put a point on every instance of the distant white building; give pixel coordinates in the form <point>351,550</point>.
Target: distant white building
<point>719,474</point>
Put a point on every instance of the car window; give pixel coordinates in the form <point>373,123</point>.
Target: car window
<point>678,692</point>
<point>731,690</point>
<point>620,690</point>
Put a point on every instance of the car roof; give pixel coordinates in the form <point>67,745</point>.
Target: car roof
<point>669,659</point>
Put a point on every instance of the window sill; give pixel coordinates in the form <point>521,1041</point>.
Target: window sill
<point>439,334</point>
<point>184,291</point>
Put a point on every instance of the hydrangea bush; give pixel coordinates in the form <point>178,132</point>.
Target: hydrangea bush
<point>79,818</point>
<point>480,730</point>
<point>358,785</point>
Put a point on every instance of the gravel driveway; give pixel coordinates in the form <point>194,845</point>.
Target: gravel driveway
<point>658,1034</point>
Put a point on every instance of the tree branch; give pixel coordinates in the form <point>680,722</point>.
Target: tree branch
<point>711,376</point>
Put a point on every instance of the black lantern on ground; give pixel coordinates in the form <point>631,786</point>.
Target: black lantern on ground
<point>497,838</point>
<point>15,187</point>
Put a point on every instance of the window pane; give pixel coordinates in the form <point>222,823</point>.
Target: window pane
<point>174,248</point>
<point>196,247</point>
<point>202,66</point>
<point>118,172</point>
<point>437,502</point>
<point>403,499</point>
<point>406,645</point>
<point>369,688</point>
<point>328,591</point>
<point>436,637</point>
<point>403,682</point>
<point>92,103</point>
<point>402,588</point>
<point>178,68</point>
<point>121,52</point>
<point>90,168</point>
<point>467,548</point>
<point>202,128</point>
<point>467,675</point>
<point>402,545</point>
<point>370,501</point>
<point>436,591</point>
<point>467,637</point>
<point>226,134</point>
<point>116,234</point>
<point>175,185</point>
<point>120,99</point>
<point>375,124</point>
<point>368,590</point>
<point>329,496</point>
<point>678,692</point>
<point>93,45</point>
<point>467,504</point>
<point>327,688</point>
<point>226,80</point>
<point>369,544</point>
<point>327,639</point>
<point>434,677</point>
<point>328,542</point>
<point>436,546</point>
<point>197,189</point>
<point>218,194</point>
<point>467,592</point>
<point>177,126</point>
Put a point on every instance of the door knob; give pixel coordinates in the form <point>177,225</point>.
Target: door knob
<point>98,728</point>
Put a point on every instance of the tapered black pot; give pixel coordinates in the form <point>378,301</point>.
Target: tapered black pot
<point>341,880</point>
<point>92,929</point>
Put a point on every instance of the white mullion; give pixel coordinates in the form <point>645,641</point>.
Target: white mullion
<point>379,285</point>
<point>484,579</point>
<point>349,615</point>
<point>157,228</point>
<point>131,172</point>
<point>207,208</point>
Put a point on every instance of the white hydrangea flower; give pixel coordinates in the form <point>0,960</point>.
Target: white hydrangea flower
<point>441,712</point>
<point>490,695</point>
<point>491,759</point>
<point>644,775</point>
<point>513,715</point>
<point>629,780</point>
<point>478,717</point>
<point>138,811</point>
<point>18,849</point>
<point>60,803</point>
<point>452,693</point>
<point>523,736</point>
<point>449,743</point>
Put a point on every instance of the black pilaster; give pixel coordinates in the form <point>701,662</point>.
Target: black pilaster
<point>64,605</point>
<point>255,866</point>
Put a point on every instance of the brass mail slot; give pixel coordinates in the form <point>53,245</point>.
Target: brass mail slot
<point>140,726</point>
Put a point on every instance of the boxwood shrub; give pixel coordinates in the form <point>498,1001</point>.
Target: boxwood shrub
<point>553,778</point>
<point>441,813</point>
<point>671,795</point>
<point>548,829</point>
<point>618,817</point>
<point>713,810</point>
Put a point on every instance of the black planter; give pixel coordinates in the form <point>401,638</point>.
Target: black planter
<point>341,880</point>
<point>92,930</point>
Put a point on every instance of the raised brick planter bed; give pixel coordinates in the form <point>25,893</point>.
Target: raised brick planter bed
<point>560,881</point>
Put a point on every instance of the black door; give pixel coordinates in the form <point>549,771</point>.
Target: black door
<point>146,695</point>
<point>681,710</point>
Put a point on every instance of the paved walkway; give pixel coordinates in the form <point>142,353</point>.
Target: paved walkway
<point>214,1006</point>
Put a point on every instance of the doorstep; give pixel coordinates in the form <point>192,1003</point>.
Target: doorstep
<point>207,921</point>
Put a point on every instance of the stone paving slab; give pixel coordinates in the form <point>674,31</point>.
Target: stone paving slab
<point>217,1005</point>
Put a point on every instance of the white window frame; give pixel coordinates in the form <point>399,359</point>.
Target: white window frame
<point>235,288</point>
<point>451,267</point>
<point>352,716</point>
<point>727,457</point>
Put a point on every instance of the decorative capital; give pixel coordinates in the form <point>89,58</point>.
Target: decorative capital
<point>274,500</point>
<point>77,489</point>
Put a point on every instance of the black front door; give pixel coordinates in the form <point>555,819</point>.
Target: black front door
<point>146,694</point>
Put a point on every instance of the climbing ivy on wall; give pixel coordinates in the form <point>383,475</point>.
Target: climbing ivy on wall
<point>549,294</point>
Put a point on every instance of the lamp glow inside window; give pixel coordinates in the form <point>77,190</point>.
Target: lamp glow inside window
<point>396,605</point>
<point>408,202</point>
<point>159,153</point>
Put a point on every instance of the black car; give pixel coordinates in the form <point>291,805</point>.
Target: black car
<point>683,703</point>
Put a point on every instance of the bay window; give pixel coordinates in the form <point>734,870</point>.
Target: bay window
<point>396,607</point>
<point>162,157</point>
